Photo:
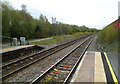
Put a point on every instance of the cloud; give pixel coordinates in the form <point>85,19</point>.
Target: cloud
<point>92,13</point>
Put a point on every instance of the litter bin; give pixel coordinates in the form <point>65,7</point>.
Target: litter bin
<point>22,41</point>
<point>15,42</point>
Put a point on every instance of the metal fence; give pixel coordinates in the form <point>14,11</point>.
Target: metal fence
<point>8,42</point>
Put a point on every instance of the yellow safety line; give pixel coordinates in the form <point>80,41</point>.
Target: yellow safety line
<point>111,69</point>
<point>99,72</point>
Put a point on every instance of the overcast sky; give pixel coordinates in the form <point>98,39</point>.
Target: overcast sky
<point>91,13</point>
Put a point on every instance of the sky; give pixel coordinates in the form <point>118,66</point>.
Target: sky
<point>91,13</point>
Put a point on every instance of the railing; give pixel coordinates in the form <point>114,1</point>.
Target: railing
<point>7,41</point>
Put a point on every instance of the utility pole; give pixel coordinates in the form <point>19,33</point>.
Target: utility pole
<point>119,14</point>
<point>119,10</point>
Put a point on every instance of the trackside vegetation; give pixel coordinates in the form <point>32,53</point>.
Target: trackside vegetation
<point>20,23</point>
<point>109,37</point>
<point>59,38</point>
<point>108,34</point>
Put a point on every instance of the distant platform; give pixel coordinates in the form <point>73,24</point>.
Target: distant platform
<point>14,48</point>
<point>18,52</point>
<point>95,67</point>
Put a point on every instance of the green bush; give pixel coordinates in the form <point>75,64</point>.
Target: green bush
<point>81,33</point>
<point>108,34</point>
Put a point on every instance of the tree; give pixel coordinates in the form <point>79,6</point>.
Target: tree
<point>18,23</point>
<point>6,19</point>
<point>24,7</point>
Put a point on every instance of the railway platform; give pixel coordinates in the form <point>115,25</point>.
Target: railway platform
<point>76,65</point>
<point>14,48</point>
<point>95,67</point>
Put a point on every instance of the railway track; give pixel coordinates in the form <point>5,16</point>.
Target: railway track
<point>61,71</point>
<point>17,65</point>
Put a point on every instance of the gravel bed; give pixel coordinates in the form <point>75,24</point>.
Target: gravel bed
<point>53,76</point>
<point>95,46</point>
<point>33,71</point>
<point>113,56</point>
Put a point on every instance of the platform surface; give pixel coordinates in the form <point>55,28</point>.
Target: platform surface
<point>85,70</point>
<point>94,67</point>
<point>14,48</point>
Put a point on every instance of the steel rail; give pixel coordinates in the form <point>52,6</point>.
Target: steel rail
<point>42,51</point>
<point>76,64</point>
<point>47,71</point>
<point>71,42</point>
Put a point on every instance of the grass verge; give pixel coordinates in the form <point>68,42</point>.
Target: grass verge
<point>59,38</point>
